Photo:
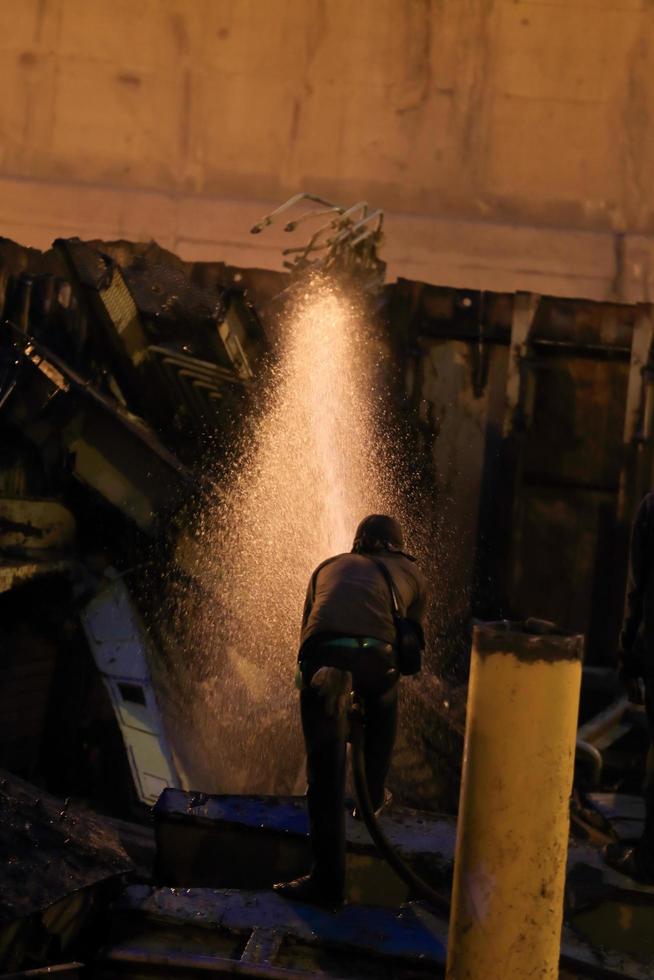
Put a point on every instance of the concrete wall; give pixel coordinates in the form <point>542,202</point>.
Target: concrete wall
<point>510,141</point>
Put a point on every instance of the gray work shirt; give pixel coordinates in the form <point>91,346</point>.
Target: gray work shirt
<point>348,595</point>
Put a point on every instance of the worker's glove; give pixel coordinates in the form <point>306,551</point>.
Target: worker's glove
<point>333,686</point>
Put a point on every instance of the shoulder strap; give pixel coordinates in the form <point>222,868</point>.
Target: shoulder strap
<point>389,582</point>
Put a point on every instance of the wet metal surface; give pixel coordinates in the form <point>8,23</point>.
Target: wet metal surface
<point>49,848</point>
<point>412,832</point>
<point>380,932</point>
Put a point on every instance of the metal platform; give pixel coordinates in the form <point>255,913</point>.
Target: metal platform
<point>244,843</point>
<point>623,814</point>
<point>188,930</point>
<point>253,841</point>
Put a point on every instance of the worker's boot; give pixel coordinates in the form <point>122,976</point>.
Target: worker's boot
<point>306,889</point>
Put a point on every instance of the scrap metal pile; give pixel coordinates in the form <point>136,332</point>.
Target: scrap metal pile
<point>60,863</point>
<point>119,367</point>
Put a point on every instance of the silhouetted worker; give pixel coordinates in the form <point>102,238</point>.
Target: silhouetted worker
<point>349,641</point>
<point>636,665</point>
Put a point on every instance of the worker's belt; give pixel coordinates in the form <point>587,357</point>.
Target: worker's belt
<point>357,643</point>
<point>349,653</point>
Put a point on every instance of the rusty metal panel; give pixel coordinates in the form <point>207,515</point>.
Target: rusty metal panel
<point>460,394</point>
<point>561,535</point>
<point>564,555</point>
<point>576,421</point>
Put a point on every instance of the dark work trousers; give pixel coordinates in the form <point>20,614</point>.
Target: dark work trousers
<point>645,847</point>
<point>325,735</point>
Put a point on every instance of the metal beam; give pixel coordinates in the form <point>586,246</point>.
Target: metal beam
<point>635,478</point>
<point>525,306</point>
<point>641,353</point>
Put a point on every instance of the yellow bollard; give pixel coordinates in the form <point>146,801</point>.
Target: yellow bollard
<point>512,837</point>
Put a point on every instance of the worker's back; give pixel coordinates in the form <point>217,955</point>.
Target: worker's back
<point>348,595</point>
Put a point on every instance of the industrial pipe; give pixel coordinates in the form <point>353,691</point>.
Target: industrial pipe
<point>384,846</point>
<point>593,729</point>
<point>603,722</point>
<point>509,873</point>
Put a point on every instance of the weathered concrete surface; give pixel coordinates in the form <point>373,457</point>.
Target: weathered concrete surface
<point>509,140</point>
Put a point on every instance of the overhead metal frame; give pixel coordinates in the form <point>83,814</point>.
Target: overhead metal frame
<point>348,242</point>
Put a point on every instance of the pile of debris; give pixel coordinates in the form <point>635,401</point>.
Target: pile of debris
<point>119,366</point>
<point>61,866</point>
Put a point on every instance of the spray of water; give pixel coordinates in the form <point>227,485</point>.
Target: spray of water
<point>313,464</point>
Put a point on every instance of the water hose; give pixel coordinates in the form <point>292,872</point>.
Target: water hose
<point>384,846</point>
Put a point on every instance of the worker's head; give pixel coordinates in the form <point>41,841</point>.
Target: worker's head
<point>377,532</point>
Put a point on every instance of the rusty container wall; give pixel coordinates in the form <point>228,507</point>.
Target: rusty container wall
<point>459,419</point>
<point>453,348</point>
<point>571,514</point>
<point>521,404</point>
<point>566,502</point>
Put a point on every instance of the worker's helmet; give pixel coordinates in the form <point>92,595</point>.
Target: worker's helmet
<point>377,532</point>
